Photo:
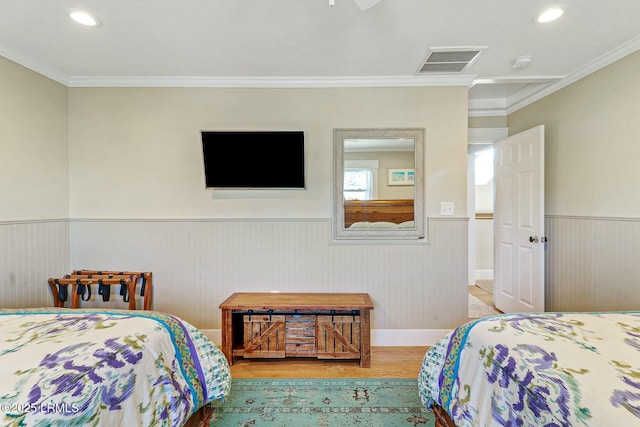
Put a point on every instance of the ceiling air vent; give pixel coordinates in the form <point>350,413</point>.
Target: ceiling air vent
<point>450,59</point>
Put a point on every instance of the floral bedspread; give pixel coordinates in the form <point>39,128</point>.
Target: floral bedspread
<point>552,369</point>
<point>92,367</point>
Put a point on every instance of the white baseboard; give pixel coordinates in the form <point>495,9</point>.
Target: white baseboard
<point>406,337</point>
<point>379,337</point>
<point>484,274</point>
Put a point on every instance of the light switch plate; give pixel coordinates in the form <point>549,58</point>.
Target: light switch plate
<point>446,208</point>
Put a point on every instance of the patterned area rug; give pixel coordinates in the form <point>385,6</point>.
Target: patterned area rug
<point>322,402</point>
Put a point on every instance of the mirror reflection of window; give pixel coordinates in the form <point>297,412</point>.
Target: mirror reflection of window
<point>358,184</point>
<point>360,180</point>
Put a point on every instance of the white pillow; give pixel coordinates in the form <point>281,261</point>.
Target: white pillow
<point>360,225</point>
<point>383,225</point>
<point>407,224</point>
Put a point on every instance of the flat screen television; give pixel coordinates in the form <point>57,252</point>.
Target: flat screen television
<point>253,159</point>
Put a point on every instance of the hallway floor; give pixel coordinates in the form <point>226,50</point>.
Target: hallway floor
<point>481,294</point>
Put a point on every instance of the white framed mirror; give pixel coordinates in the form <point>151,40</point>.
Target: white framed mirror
<point>379,183</point>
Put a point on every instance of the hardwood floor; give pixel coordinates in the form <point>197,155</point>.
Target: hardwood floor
<point>386,362</point>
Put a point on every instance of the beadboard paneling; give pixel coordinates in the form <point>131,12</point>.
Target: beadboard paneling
<point>198,263</point>
<point>592,264</point>
<point>30,253</point>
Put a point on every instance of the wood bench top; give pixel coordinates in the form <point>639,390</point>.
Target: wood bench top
<point>297,301</point>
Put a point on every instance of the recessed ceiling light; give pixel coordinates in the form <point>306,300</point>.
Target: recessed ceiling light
<point>85,19</point>
<point>550,15</point>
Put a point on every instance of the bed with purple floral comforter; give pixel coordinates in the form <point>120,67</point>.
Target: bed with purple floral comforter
<point>91,367</point>
<point>555,369</point>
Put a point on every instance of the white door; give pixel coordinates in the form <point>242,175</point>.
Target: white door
<point>519,240</point>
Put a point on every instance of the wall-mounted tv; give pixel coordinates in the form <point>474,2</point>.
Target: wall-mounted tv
<point>253,159</point>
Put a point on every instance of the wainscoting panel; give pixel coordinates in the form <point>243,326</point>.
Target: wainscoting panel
<point>30,253</point>
<point>198,263</point>
<point>592,264</point>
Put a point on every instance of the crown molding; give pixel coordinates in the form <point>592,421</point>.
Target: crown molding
<point>477,107</point>
<point>237,82</point>
<point>487,107</point>
<point>271,82</point>
<point>48,72</point>
<point>582,72</point>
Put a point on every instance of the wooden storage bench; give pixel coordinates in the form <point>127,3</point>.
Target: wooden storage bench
<point>278,325</point>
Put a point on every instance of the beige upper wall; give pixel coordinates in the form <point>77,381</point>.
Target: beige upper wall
<point>488,122</point>
<point>87,147</point>
<point>136,153</point>
<point>33,145</point>
<point>592,134</point>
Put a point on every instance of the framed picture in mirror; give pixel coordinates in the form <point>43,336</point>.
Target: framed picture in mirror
<point>401,176</point>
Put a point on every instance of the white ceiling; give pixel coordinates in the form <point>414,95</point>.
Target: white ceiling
<point>307,43</point>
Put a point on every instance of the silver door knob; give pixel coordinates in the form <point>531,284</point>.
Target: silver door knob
<point>533,239</point>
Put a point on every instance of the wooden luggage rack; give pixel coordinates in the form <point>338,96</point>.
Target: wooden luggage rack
<point>81,281</point>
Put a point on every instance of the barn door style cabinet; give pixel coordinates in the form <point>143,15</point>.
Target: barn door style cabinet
<point>279,325</point>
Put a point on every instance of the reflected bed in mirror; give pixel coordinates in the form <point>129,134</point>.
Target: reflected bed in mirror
<point>379,184</point>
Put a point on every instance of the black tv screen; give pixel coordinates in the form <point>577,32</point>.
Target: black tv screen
<point>253,159</point>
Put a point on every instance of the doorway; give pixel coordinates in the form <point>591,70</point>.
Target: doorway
<point>480,202</point>
<point>517,238</point>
